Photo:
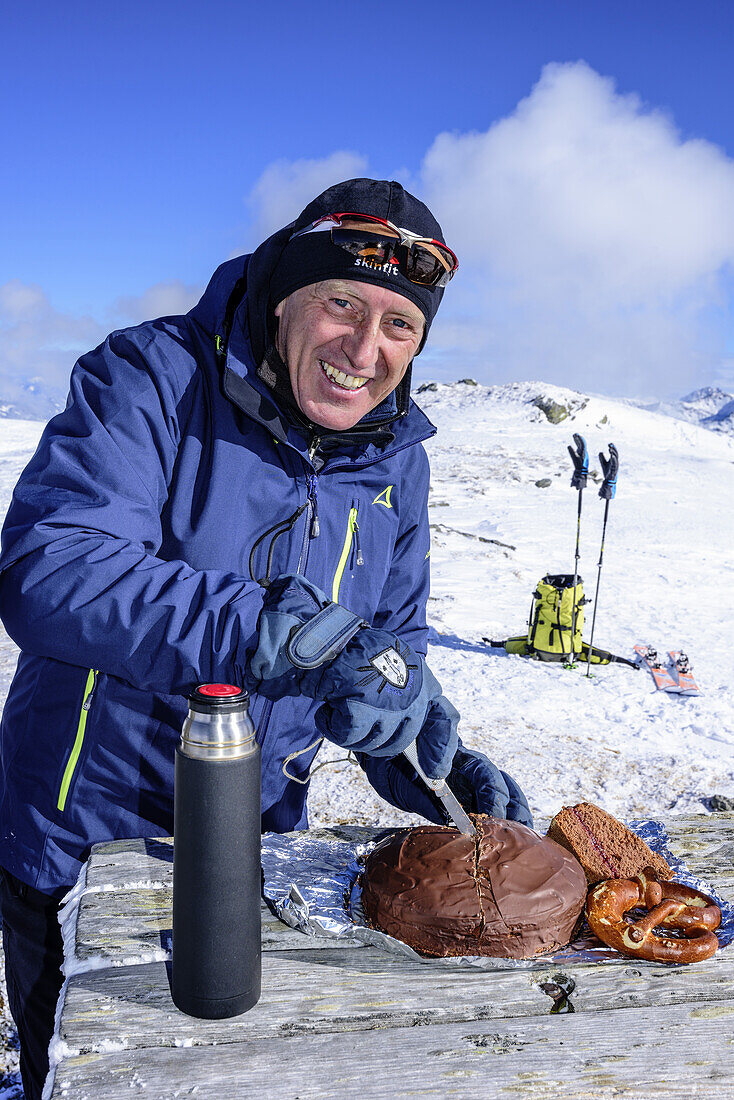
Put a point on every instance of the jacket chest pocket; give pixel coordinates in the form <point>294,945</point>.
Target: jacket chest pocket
<point>363,549</point>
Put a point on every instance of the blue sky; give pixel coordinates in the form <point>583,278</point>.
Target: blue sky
<point>145,143</point>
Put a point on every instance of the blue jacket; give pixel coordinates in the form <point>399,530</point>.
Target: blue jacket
<point>125,575</point>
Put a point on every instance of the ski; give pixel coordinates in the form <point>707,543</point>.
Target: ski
<point>660,674</point>
<point>682,667</point>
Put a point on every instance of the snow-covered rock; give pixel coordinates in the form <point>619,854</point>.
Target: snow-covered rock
<point>710,406</point>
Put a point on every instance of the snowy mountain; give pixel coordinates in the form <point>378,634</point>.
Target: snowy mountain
<point>723,420</point>
<point>706,402</point>
<point>33,400</point>
<point>709,406</point>
<point>502,515</point>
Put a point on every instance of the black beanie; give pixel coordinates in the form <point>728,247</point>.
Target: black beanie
<point>313,257</point>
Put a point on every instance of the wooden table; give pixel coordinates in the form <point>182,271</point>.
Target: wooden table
<point>343,1020</point>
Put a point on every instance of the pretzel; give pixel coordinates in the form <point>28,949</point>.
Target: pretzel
<point>669,904</point>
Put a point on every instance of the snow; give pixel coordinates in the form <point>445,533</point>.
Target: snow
<point>667,579</point>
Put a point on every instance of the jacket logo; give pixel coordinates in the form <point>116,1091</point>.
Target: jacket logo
<point>392,666</point>
<point>384,497</point>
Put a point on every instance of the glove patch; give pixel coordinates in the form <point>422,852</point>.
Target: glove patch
<point>391,666</point>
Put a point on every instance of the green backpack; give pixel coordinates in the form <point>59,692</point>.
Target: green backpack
<point>556,618</point>
<point>554,630</point>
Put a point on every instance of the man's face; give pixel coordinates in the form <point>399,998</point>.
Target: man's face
<point>347,345</point>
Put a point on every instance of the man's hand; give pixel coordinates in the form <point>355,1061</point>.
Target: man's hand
<point>478,784</point>
<point>378,694</point>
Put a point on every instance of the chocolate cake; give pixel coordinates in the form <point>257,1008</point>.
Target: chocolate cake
<point>604,847</point>
<point>505,891</point>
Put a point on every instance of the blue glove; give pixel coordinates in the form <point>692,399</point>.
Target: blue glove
<point>290,602</point>
<point>377,692</point>
<point>480,787</point>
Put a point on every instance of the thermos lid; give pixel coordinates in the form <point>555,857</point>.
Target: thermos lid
<point>211,698</point>
<point>219,689</point>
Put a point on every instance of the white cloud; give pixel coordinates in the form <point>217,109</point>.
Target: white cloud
<point>593,241</point>
<point>160,300</point>
<point>596,249</point>
<point>285,187</point>
<point>38,344</point>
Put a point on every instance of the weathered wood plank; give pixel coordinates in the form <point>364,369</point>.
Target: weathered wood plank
<point>318,991</point>
<point>119,862</point>
<point>675,1052</point>
<point>125,913</point>
<point>119,927</point>
<point>706,844</point>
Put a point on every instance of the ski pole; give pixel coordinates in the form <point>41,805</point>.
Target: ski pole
<point>607,491</point>
<point>580,459</point>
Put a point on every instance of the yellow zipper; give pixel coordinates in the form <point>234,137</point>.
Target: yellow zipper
<point>351,526</point>
<point>78,740</point>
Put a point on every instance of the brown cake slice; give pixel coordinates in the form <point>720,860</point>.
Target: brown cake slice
<point>506,891</point>
<point>604,847</point>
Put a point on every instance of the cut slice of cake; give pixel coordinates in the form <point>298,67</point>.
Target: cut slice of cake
<point>604,847</point>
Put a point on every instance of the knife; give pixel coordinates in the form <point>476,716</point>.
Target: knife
<point>441,788</point>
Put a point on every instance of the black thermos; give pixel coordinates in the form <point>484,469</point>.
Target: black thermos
<point>216,857</point>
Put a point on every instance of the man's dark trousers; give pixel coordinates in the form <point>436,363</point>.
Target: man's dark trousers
<point>33,956</point>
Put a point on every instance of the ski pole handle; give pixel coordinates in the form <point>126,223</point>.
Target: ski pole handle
<point>610,466</point>
<point>580,459</point>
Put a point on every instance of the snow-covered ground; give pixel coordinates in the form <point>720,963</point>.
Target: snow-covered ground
<point>667,579</point>
<point>18,439</point>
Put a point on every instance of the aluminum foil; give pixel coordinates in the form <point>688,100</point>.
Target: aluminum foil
<point>311,880</point>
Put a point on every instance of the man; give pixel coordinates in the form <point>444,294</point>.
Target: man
<point>235,495</point>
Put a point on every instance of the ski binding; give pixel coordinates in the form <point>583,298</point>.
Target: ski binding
<point>682,667</point>
<point>660,674</point>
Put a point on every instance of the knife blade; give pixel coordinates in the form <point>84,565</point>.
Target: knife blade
<point>442,790</point>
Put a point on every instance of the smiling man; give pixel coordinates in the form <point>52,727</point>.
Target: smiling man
<point>347,346</point>
<point>235,495</point>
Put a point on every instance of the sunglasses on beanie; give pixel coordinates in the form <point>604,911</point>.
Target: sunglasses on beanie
<point>422,260</point>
